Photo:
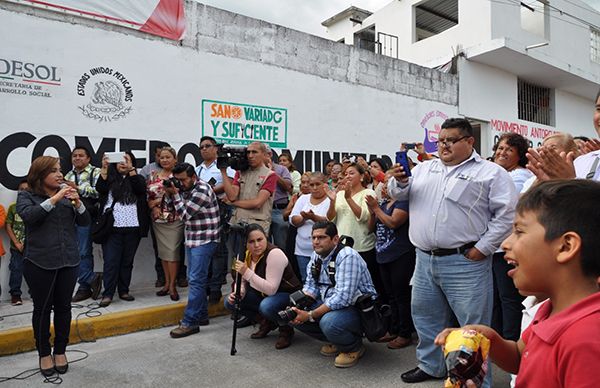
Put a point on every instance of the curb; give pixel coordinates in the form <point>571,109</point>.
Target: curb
<point>21,339</point>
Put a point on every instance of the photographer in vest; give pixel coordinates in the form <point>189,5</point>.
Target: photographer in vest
<point>335,287</point>
<point>251,192</point>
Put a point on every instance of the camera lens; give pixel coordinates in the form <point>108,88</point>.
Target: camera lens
<point>287,315</point>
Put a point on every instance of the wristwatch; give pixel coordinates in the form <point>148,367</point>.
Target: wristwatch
<point>310,317</point>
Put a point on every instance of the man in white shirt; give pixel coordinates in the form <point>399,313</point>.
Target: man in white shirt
<point>208,172</point>
<point>461,209</point>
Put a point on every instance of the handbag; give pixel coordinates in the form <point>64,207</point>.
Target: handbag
<point>374,317</point>
<point>102,226</point>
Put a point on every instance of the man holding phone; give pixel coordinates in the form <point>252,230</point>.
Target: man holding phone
<point>208,172</point>
<point>461,209</point>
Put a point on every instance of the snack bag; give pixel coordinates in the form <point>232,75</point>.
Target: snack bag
<point>466,352</point>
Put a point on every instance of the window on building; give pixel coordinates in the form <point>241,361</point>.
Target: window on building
<point>595,45</point>
<point>433,17</point>
<point>535,103</point>
<point>534,17</point>
<point>365,39</point>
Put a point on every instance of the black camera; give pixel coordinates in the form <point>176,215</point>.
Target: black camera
<point>232,156</point>
<point>174,181</point>
<point>299,300</point>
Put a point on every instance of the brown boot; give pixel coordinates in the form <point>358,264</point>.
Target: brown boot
<point>265,326</point>
<point>285,337</point>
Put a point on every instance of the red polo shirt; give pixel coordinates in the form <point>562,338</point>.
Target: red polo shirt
<point>563,350</point>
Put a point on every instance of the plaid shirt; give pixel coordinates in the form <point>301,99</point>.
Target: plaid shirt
<point>199,210</point>
<point>352,279</point>
<point>85,181</point>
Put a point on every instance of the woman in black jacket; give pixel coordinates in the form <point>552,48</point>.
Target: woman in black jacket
<point>123,190</point>
<point>50,211</point>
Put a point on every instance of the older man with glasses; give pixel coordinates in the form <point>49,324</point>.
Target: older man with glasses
<point>461,209</point>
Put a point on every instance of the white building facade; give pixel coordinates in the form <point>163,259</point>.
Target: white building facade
<point>531,67</point>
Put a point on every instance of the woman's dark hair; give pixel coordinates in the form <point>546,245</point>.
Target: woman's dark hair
<point>254,227</point>
<point>292,167</point>
<point>518,142</point>
<point>120,186</point>
<point>382,163</point>
<point>38,171</point>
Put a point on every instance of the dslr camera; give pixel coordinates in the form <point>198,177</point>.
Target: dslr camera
<point>174,181</point>
<point>232,156</point>
<point>299,300</point>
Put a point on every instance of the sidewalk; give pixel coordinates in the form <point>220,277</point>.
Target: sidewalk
<point>91,322</point>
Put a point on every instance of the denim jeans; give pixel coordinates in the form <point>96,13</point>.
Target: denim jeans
<point>279,228</point>
<point>86,265</point>
<point>119,251</point>
<point>16,272</point>
<point>340,327</point>
<point>302,263</point>
<point>442,286</point>
<point>198,262</point>
<point>508,310</point>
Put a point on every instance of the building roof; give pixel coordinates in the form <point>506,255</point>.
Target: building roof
<point>350,12</point>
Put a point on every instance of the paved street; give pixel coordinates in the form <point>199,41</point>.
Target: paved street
<point>153,359</point>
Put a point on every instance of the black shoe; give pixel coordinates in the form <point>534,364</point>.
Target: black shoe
<point>203,323</point>
<point>243,321</point>
<point>416,376</point>
<point>81,295</point>
<point>46,372</point>
<point>162,292</point>
<point>61,369</point>
<point>105,301</point>
<point>96,285</point>
<point>127,297</point>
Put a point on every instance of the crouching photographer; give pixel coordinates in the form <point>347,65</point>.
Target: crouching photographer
<point>268,280</point>
<point>339,276</point>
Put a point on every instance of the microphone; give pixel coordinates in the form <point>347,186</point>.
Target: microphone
<point>62,186</point>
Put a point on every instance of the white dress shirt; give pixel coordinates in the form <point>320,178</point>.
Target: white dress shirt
<point>451,206</point>
<point>584,163</point>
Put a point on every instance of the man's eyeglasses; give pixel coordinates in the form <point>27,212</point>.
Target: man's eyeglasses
<point>206,146</point>
<point>449,142</point>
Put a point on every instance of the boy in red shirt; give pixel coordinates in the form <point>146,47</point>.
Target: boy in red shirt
<point>555,248</point>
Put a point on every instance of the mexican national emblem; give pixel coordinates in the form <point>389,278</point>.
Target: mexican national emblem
<point>111,94</point>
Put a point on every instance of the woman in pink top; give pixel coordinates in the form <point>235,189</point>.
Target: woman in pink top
<point>268,280</point>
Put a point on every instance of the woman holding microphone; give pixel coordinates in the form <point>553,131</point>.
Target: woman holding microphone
<point>50,210</point>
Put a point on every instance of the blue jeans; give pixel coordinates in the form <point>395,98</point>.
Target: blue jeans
<point>302,263</point>
<point>279,228</point>
<point>340,327</point>
<point>119,251</point>
<point>198,262</point>
<point>86,265</point>
<point>16,272</point>
<point>442,286</point>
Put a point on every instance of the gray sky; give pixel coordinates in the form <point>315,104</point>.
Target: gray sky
<point>304,15</point>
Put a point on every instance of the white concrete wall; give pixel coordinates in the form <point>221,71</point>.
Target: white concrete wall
<point>338,99</point>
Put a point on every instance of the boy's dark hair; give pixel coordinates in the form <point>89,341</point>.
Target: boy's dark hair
<point>330,228</point>
<point>184,167</point>
<point>569,206</point>
<point>462,124</point>
<point>211,139</point>
<point>84,149</point>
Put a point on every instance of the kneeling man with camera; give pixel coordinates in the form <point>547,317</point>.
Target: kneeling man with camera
<point>338,277</point>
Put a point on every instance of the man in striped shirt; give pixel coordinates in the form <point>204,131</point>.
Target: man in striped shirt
<point>196,203</point>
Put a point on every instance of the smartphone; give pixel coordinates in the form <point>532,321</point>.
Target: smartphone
<point>212,181</point>
<point>402,159</point>
<point>115,157</point>
<point>410,146</point>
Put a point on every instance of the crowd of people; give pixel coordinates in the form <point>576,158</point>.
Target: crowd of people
<point>445,243</point>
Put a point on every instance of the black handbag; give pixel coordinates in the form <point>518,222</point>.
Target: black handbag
<point>102,226</point>
<point>374,317</point>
